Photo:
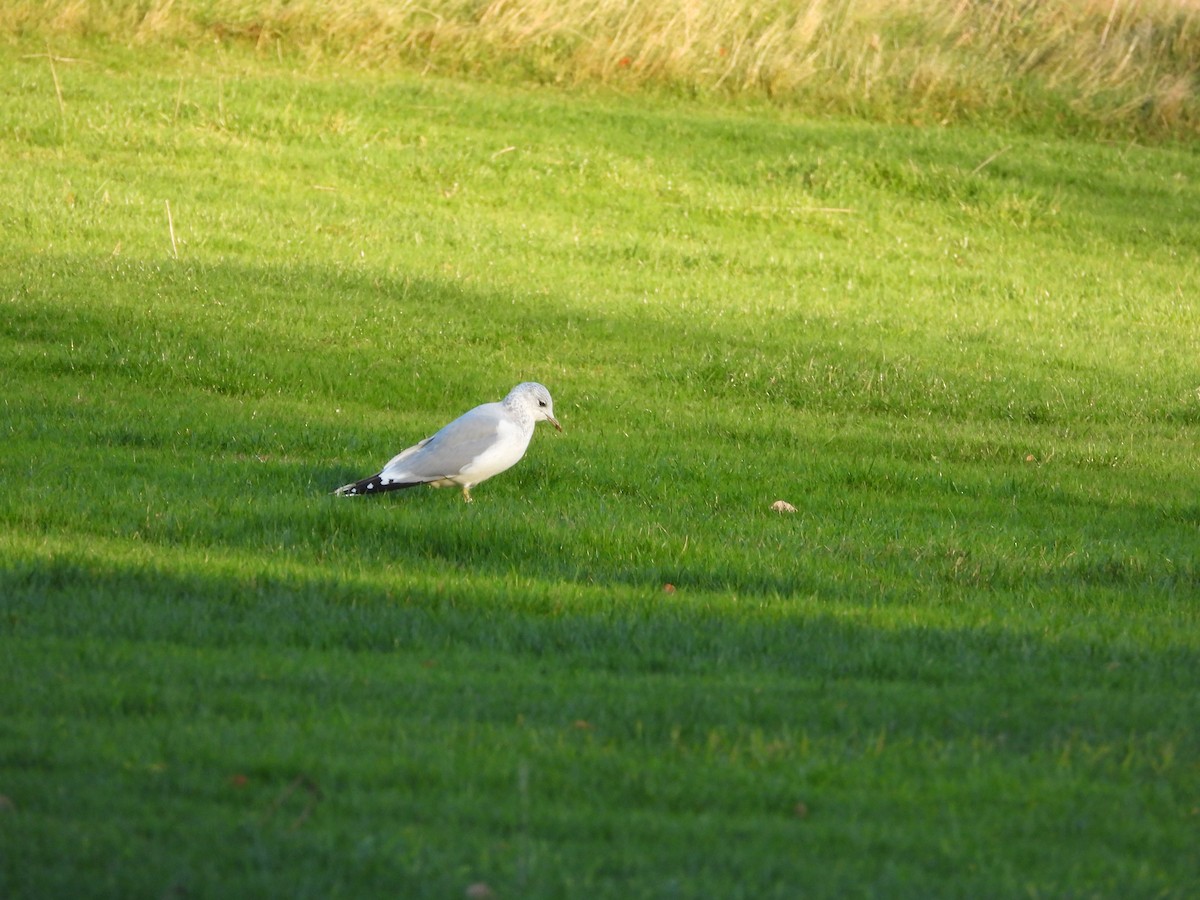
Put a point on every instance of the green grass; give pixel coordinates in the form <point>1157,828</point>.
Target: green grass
<point>966,666</point>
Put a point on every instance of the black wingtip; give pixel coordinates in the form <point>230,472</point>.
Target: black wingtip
<point>372,485</point>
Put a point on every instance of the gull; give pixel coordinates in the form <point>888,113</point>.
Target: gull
<point>477,445</point>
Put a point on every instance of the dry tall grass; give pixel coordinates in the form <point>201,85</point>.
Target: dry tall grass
<point>1113,65</point>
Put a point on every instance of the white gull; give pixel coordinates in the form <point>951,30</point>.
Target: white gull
<point>477,445</point>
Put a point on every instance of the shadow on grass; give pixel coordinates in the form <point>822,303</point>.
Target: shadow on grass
<point>397,343</point>
<point>589,531</point>
<point>560,625</point>
<point>352,682</point>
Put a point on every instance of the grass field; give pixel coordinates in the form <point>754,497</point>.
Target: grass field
<point>967,665</point>
<point>1117,68</point>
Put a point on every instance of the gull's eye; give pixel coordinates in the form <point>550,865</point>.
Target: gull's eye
<point>541,403</point>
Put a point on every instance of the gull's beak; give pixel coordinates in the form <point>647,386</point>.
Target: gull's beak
<point>553,421</point>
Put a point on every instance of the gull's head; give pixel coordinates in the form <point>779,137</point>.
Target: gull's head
<point>535,398</point>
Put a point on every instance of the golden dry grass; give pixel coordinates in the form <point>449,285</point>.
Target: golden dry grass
<point>1115,65</point>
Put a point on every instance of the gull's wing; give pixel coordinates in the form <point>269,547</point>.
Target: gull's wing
<point>451,449</point>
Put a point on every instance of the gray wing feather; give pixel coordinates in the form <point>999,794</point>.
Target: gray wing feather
<point>450,449</point>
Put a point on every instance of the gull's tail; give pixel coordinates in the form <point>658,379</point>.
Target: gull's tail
<point>373,485</point>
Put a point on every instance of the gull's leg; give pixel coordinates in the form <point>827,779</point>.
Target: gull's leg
<point>467,493</point>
